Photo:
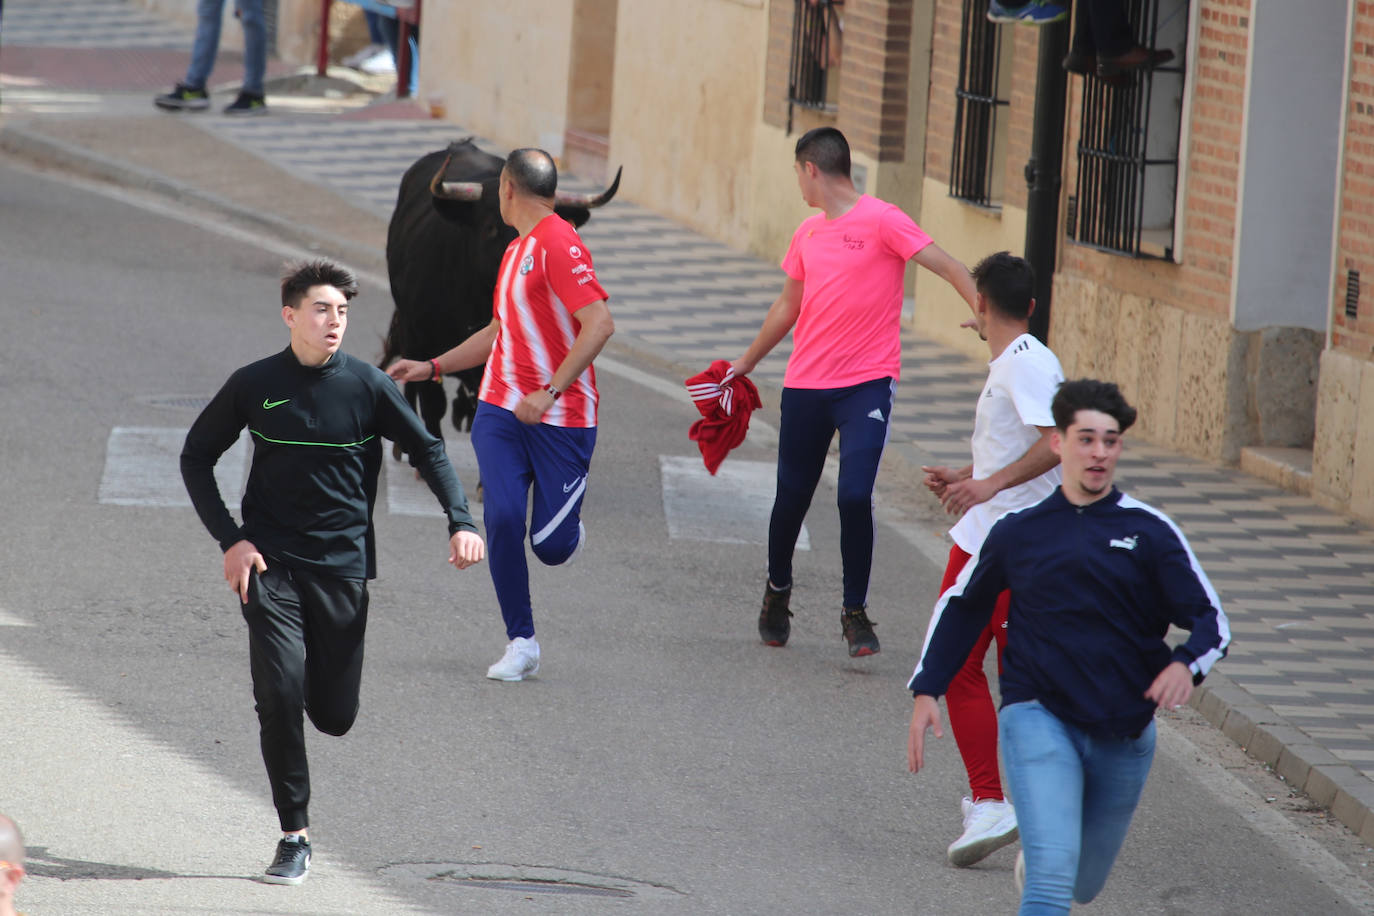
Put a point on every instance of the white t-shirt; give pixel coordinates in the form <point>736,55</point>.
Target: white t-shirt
<point>1015,400</point>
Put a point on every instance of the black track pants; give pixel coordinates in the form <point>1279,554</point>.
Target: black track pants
<point>305,646</point>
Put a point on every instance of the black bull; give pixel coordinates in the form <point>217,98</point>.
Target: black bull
<point>443,252</point>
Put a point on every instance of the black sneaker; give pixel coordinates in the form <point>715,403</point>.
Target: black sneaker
<point>183,98</point>
<point>858,629</point>
<point>774,625</point>
<point>248,103</point>
<point>292,863</point>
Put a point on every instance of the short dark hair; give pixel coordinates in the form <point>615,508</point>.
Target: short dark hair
<point>827,148</point>
<point>1007,282</point>
<point>1090,394</point>
<point>302,275</point>
<point>533,171</point>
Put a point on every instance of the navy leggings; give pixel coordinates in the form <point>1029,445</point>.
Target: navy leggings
<point>810,417</point>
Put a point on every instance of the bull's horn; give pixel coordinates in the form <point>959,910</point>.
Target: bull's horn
<point>591,202</point>
<point>453,190</point>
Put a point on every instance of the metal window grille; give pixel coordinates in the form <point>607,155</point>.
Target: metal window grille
<point>1128,144</point>
<point>1352,294</point>
<point>814,24</point>
<point>972,164</point>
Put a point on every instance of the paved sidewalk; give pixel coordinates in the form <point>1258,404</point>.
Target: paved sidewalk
<point>1297,581</point>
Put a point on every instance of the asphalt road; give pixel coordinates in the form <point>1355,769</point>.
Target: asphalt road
<point>663,761</point>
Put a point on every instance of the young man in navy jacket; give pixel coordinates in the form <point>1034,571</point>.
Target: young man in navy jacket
<point>1096,579</point>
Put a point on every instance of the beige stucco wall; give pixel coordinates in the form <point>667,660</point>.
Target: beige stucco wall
<point>1179,368</point>
<point>687,97</point>
<point>1343,453</point>
<point>968,233</point>
<point>500,69</point>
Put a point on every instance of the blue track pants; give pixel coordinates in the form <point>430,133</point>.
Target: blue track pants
<point>512,457</point>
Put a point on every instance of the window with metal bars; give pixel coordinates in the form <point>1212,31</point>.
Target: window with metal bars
<point>979,149</point>
<point>812,80</point>
<point>1126,193</point>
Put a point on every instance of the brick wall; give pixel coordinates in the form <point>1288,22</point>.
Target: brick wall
<point>1202,282</point>
<point>872,75</point>
<point>1355,243</point>
<point>1019,93</point>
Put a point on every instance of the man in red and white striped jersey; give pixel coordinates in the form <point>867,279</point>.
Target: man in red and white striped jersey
<point>536,416</point>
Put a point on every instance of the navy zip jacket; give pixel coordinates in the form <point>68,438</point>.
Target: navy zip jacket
<point>1093,591</point>
<point>317,450</point>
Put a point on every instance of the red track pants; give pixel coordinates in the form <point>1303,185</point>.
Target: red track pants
<point>972,717</point>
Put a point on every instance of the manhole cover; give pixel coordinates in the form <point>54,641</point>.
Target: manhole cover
<point>176,401</point>
<point>525,879</point>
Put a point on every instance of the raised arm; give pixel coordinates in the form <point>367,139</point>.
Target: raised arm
<point>471,352</point>
<point>951,269</point>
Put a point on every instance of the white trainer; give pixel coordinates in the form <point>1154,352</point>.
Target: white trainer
<point>988,826</point>
<point>520,661</point>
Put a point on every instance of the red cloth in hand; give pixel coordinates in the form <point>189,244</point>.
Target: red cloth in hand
<point>725,402</point>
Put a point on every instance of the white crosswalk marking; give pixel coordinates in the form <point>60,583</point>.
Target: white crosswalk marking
<point>408,495</point>
<point>732,507</point>
<point>143,468</point>
<point>9,620</point>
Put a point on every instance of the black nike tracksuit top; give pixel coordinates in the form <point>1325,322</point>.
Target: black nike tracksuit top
<point>317,450</point>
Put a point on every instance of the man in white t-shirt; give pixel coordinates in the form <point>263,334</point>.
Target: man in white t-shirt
<point>1013,468</point>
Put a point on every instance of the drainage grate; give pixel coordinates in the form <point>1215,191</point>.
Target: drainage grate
<point>524,879</point>
<point>537,887</point>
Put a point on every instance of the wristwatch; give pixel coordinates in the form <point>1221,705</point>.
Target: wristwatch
<point>553,391</point>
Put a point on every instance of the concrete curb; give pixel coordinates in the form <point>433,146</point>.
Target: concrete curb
<point>1269,738</point>
<point>1262,733</point>
<point>57,154</point>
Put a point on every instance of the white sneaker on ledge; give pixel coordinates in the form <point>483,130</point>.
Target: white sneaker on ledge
<point>988,826</point>
<point>520,661</point>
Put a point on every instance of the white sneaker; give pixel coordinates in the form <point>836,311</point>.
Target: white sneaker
<point>356,59</point>
<point>520,661</point>
<point>379,63</point>
<point>988,826</point>
<point>1018,874</point>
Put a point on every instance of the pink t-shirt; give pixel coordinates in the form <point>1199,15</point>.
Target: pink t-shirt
<point>544,278</point>
<point>851,268</point>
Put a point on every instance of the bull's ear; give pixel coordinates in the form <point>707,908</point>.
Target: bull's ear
<point>573,214</point>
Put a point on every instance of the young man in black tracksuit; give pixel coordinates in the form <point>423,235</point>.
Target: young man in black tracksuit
<point>1096,579</point>
<point>302,557</point>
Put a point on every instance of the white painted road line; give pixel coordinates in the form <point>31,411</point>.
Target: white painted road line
<point>9,620</point>
<point>408,495</point>
<point>143,468</point>
<point>731,507</point>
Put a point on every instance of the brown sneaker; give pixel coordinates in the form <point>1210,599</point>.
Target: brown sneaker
<point>775,624</point>
<point>858,629</point>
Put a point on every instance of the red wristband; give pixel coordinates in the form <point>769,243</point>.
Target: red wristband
<point>437,374</point>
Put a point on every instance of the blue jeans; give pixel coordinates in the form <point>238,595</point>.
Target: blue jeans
<point>1074,794</point>
<point>211,13</point>
<point>513,457</point>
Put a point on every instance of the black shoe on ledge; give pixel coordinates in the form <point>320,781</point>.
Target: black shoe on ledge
<point>858,630</point>
<point>774,620</point>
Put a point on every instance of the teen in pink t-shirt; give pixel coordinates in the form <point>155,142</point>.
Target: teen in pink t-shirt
<point>843,296</point>
<point>851,268</point>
